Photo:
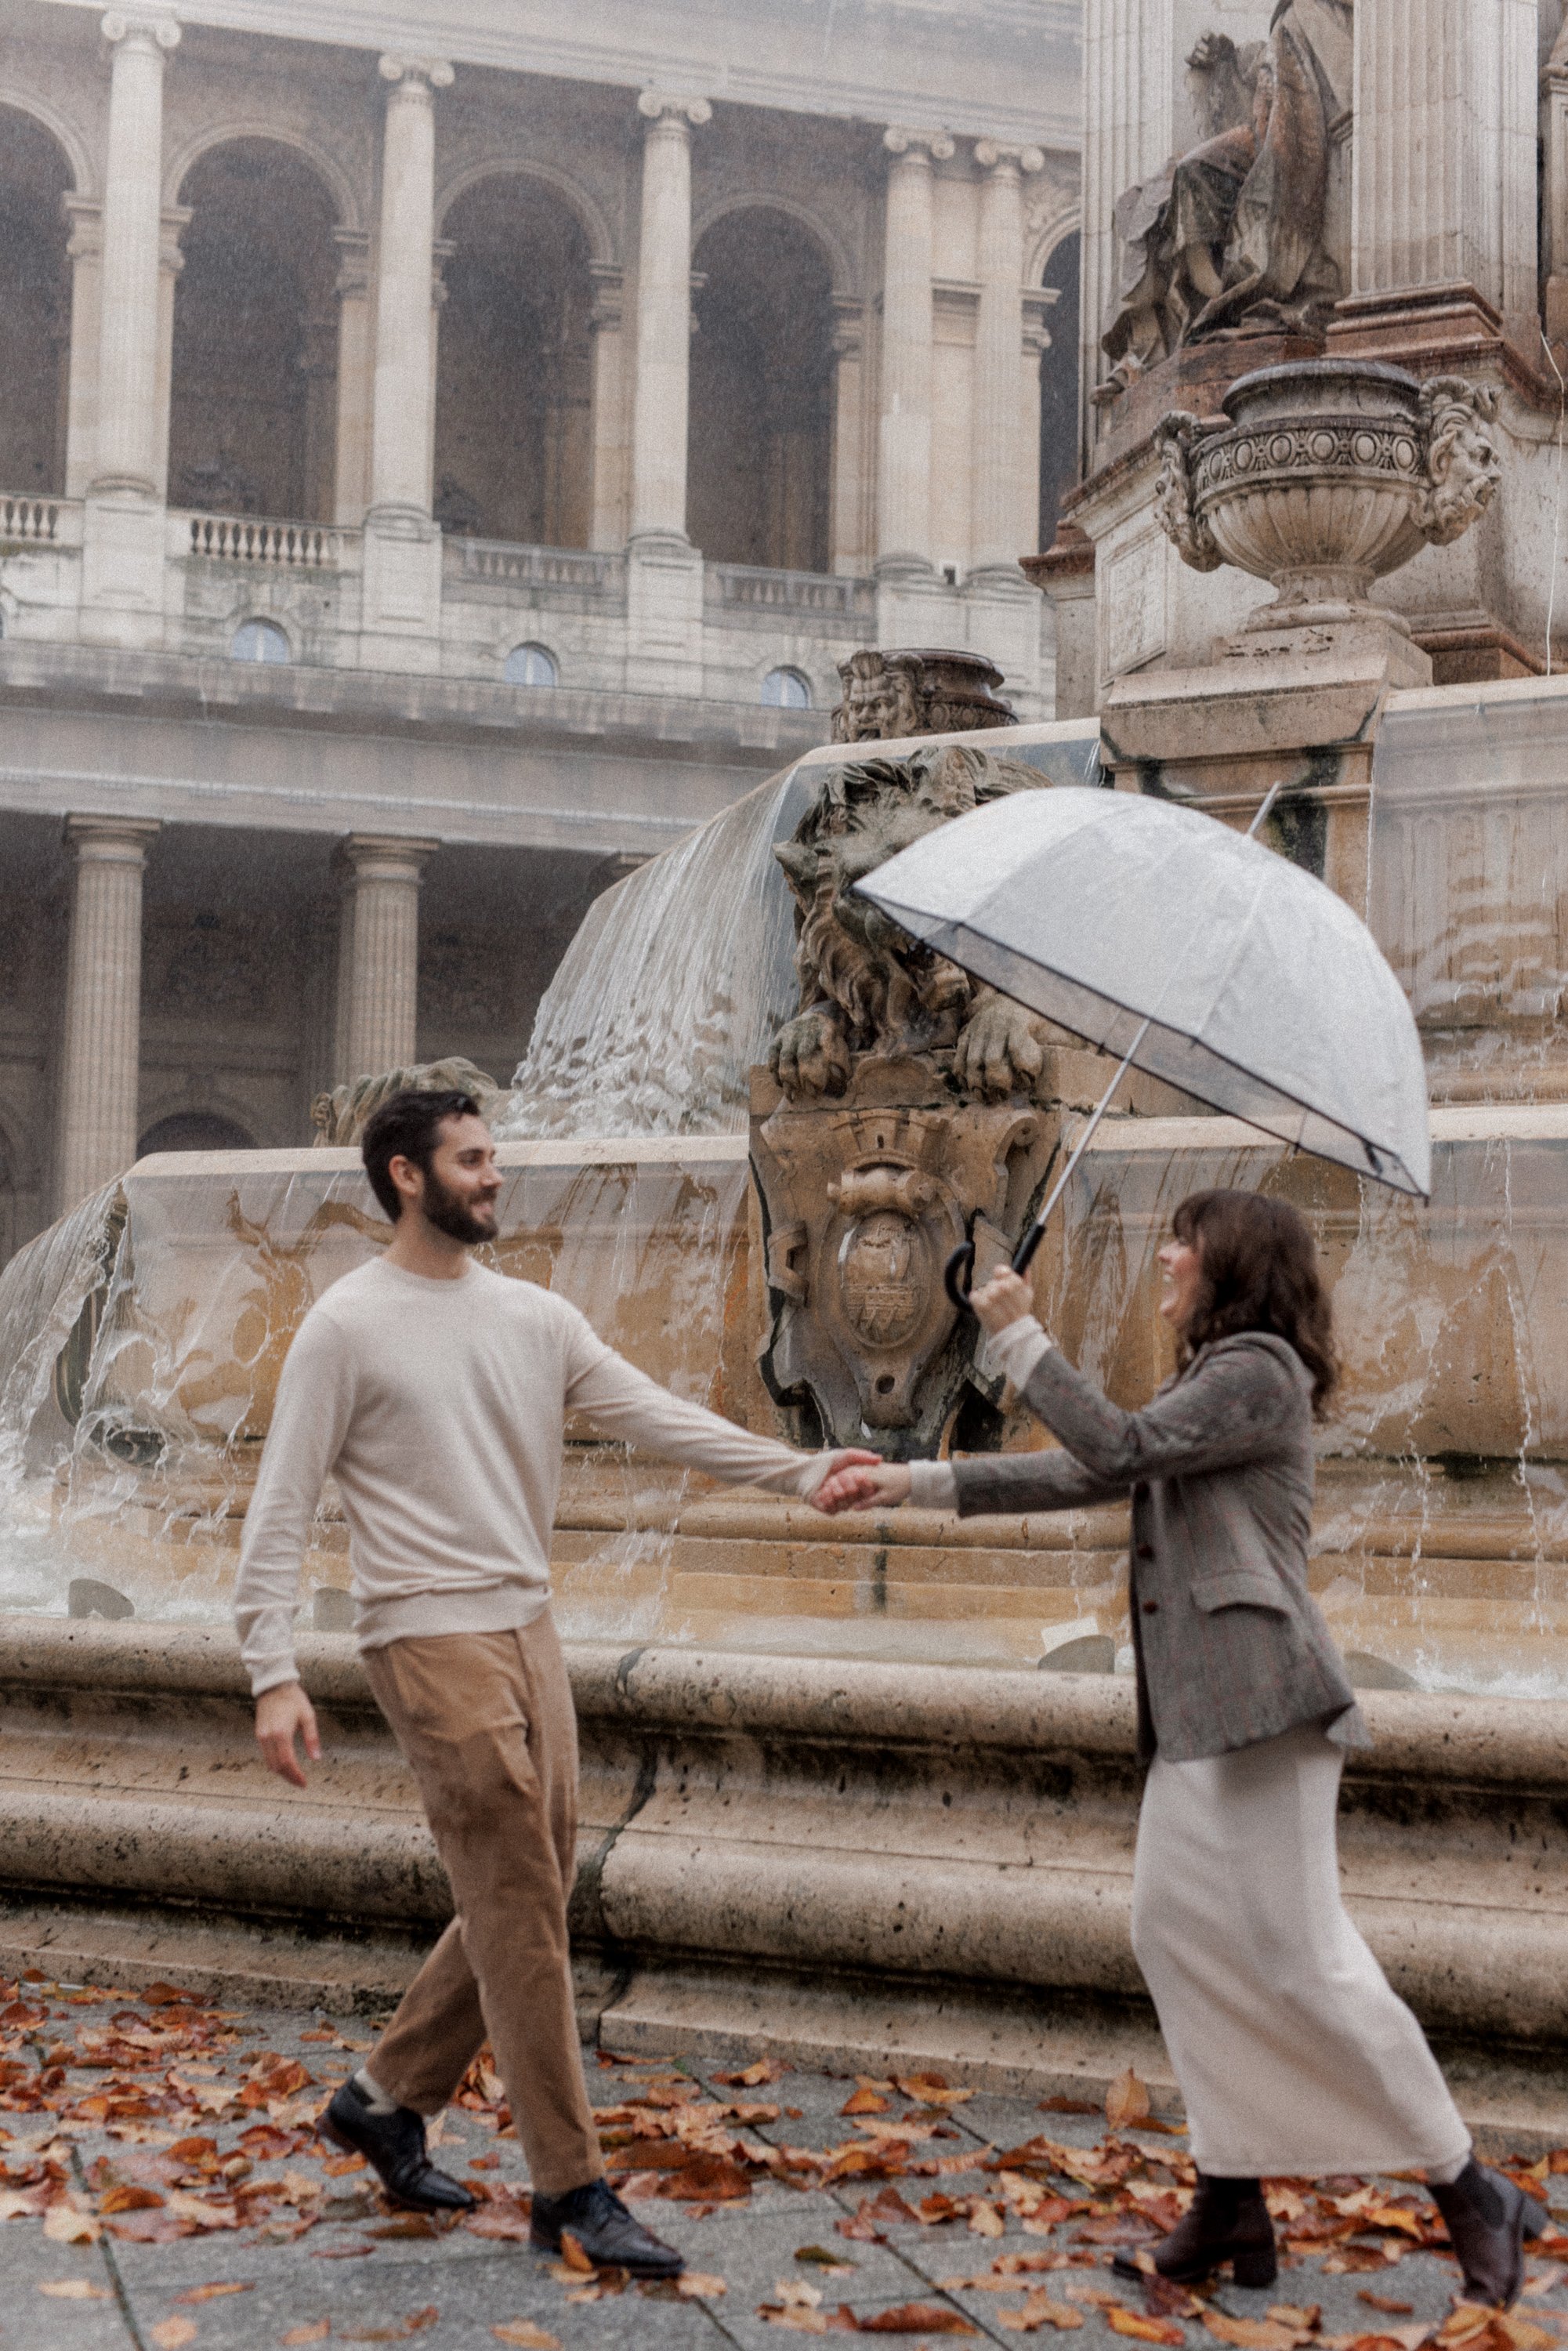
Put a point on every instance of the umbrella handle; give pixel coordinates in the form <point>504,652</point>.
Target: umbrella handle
<point>955,1275</point>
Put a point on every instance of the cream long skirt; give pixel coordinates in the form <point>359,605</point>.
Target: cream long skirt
<point>1292,2053</point>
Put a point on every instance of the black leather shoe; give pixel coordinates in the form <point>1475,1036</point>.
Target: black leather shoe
<point>1489,2219</point>
<point>393,2144</point>
<point>1228,2221</point>
<point>604,2229</point>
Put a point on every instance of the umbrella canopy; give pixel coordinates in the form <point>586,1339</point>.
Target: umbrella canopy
<point>1265,996</point>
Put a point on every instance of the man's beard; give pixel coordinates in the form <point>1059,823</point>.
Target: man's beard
<point>451,1215</point>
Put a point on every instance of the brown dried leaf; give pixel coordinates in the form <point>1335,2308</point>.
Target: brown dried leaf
<point>767,2069</point>
<point>63,2225</point>
<point>1250,2334</point>
<point>523,2332</point>
<point>1038,2311</point>
<point>916,2318</point>
<point>931,2090</point>
<point>74,2289</point>
<point>1143,2329</point>
<point>317,2332</point>
<point>173,2334</point>
<point>211,2292</point>
<point>864,2102</point>
<point>126,2196</point>
<point>572,2256</point>
<point>500,2219</point>
<point>1126,2100</point>
<point>985,2219</point>
<point>1385,2302</point>
<point>699,2286</point>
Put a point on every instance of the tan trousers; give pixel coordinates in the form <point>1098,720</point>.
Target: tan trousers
<point>486,1720</point>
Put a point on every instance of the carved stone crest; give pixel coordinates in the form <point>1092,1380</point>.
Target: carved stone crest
<point>862,1203</point>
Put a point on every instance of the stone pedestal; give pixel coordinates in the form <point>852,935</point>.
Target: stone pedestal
<point>378,952</point>
<point>864,1198</point>
<point>100,1043</point>
<point>663,614</point>
<point>1221,737</point>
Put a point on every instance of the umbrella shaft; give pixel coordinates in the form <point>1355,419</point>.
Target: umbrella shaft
<point>1036,1233</point>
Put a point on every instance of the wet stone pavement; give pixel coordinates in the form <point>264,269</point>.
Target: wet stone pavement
<point>161,2185</point>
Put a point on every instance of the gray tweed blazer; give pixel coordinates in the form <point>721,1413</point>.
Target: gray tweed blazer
<point>1230,1645</point>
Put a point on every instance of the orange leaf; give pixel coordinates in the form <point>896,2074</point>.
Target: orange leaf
<point>1250,2334</point>
<point>916,2318</point>
<point>1385,2302</point>
<point>211,2292</point>
<point>74,2289</point>
<point>1146,2330</point>
<point>1038,2311</point>
<point>126,2197</point>
<point>572,2254</point>
<point>864,2102</point>
<point>317,2332</point>
<point>524,2332</point>
<point>1126,2100</point>
<point>173,2334</point>
<point>192,2150</point>
<point>697,2285</point>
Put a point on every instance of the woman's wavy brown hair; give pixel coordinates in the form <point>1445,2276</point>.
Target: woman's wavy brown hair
<point>1258,1272</point>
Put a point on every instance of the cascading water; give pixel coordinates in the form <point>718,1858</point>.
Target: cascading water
<point>672,988</point>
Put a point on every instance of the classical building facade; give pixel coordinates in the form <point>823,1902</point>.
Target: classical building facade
<point>447,450</point>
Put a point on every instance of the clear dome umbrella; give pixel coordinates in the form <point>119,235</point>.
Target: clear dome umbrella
<point>1191,952</point>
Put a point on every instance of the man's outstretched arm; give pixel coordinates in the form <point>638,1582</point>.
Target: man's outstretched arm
<point>308,1421</point>
<point>625,1402</point>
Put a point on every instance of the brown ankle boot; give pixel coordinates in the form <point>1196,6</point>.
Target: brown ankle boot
<point>1489,2219</point>
<point>1228,2221</point>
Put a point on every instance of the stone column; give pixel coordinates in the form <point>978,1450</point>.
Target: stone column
<point>663,570</point>
<point>378,955</point>
<point>847,549</point>
<point>175,220</point>
<point>1444,160</point>
<point>133,244</point>
<point>351,462</point>
<point>84,252</point>
<point>402,591</point>
<point>903,439</point>
<point>100,1046</point>
<point>609,514</point>
<point>663,314</point>
<point>122,524</point>
<point>1130,81</point>
<point>1003,529</point>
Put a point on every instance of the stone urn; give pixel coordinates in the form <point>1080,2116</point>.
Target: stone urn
<point>1324,476</point>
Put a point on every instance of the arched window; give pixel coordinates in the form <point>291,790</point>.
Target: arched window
<point>761,385</point>
<point>514,440</point>
<point>786,689</point>
<point>531,665</point>
<point>1059,389</point>
<point>259,641</point>
<point>253,408</point>
<point>195,1130</point>
<point>36,304</point>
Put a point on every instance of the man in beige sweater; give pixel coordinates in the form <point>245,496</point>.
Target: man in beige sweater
<point>436,1392</point>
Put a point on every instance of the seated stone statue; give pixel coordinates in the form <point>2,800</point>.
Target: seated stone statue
<point>1234,230</point>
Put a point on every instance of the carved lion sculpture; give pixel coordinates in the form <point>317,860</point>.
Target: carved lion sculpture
<point>865,985</point>
<point>342,1115</point>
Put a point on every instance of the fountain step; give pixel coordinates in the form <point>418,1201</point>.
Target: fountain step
<point>866,1862</point>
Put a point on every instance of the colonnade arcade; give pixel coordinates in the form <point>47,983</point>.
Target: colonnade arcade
<point>277,376</point>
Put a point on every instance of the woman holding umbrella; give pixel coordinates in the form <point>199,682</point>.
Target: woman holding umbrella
<point>1293,2055</point>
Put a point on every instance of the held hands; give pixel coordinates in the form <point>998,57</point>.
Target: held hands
<point>281,1714</point>
<point>858,1487</point>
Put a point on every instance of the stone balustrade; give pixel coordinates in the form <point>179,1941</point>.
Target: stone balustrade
<point>747,588</point>
<point>250,538</point>
<point>39,522</point>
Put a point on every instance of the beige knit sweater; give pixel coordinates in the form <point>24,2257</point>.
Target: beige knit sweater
<point>439,1407</point>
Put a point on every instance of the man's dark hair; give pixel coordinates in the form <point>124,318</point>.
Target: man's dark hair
<point>407,1127</point>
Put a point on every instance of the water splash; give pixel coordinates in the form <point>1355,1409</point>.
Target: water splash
<point>672,988</point>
